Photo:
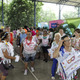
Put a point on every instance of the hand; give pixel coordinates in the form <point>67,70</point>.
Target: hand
<point>49,54</point>
<point>21,54</point>
<point>61,42</point>
<point>35,47</point>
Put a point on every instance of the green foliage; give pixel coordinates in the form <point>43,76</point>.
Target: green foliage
<point>67,15</point>
<point>5,10</point>
<point>21,12</point>
<point>68,29</point>
<point>46,15</point>
<point>72,27</point>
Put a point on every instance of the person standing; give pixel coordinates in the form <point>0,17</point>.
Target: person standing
<point>61,32</point>
<point>76,40</point>
<point>4,54</point>
<point>54,46</point>
<point>45,44</point>
<point>29,51</point>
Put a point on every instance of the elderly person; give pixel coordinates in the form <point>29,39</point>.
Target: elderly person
<point>55,44</point>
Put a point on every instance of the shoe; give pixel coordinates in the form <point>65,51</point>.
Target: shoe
<point>53,78</point>
<point>25,72</point>
<point>11,66</point>
<point>18,46</point>
<point>32,69</point>
<point>39,57</point>
<point>44,59</point>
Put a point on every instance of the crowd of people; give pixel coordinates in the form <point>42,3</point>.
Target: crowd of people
<point>32,42</point>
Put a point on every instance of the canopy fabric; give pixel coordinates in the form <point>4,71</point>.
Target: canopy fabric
<point>75,3</point>
<point>75,21</point>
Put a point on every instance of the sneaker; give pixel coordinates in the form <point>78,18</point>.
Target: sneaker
<point>25,72</point>
<point>53,78</point>
<point>32,69</point>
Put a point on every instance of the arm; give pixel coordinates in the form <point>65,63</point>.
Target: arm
<point>56,52</point>
<point>5,53</point>
<point>21,48</point>
<point>35,47</point>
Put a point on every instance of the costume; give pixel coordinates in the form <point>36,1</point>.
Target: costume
<point>63,55</point>
<point>55,61</point>
<point>29,52</point>
<point>45,45</point>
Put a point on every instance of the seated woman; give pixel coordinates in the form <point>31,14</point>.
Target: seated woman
<point>62,54</point>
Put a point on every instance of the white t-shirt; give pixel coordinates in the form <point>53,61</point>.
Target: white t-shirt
<point>63,35</point>
<point>36,39</point>
<point>29,49</point>
<point>10,49</point>
<point>51,35</point>
<point>52,49</point>
<point>3,48</point>
<point>18,32</point>
<point>76,43</point>
<point>1,53</point>
<point>45,41</point>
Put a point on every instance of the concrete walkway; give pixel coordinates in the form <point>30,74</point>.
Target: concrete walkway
<point>42,71</point>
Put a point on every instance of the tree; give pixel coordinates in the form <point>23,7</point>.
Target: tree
<point>4,11</point>
<point>46,16</point>
<point>69,15</point>
<point>21,12</point>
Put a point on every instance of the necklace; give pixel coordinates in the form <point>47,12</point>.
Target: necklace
<point>6,43</point>
<point>44,37</point>
<point>27,41</point>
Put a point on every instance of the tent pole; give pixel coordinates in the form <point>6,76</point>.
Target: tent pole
<point>78,11</point>
<point>59,11</point>
<point>2,14</point>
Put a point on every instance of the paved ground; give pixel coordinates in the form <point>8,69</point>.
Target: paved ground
<point>42,71</point>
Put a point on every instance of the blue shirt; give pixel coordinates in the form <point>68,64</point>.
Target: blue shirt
<point>22,37</point>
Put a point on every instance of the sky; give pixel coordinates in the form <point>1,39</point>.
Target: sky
<point>55,8</point>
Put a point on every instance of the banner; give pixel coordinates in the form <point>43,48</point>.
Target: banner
<point>70,64</point>
<point>55,23</point>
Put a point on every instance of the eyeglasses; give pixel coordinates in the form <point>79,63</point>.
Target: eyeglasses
<point>67,40</point>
